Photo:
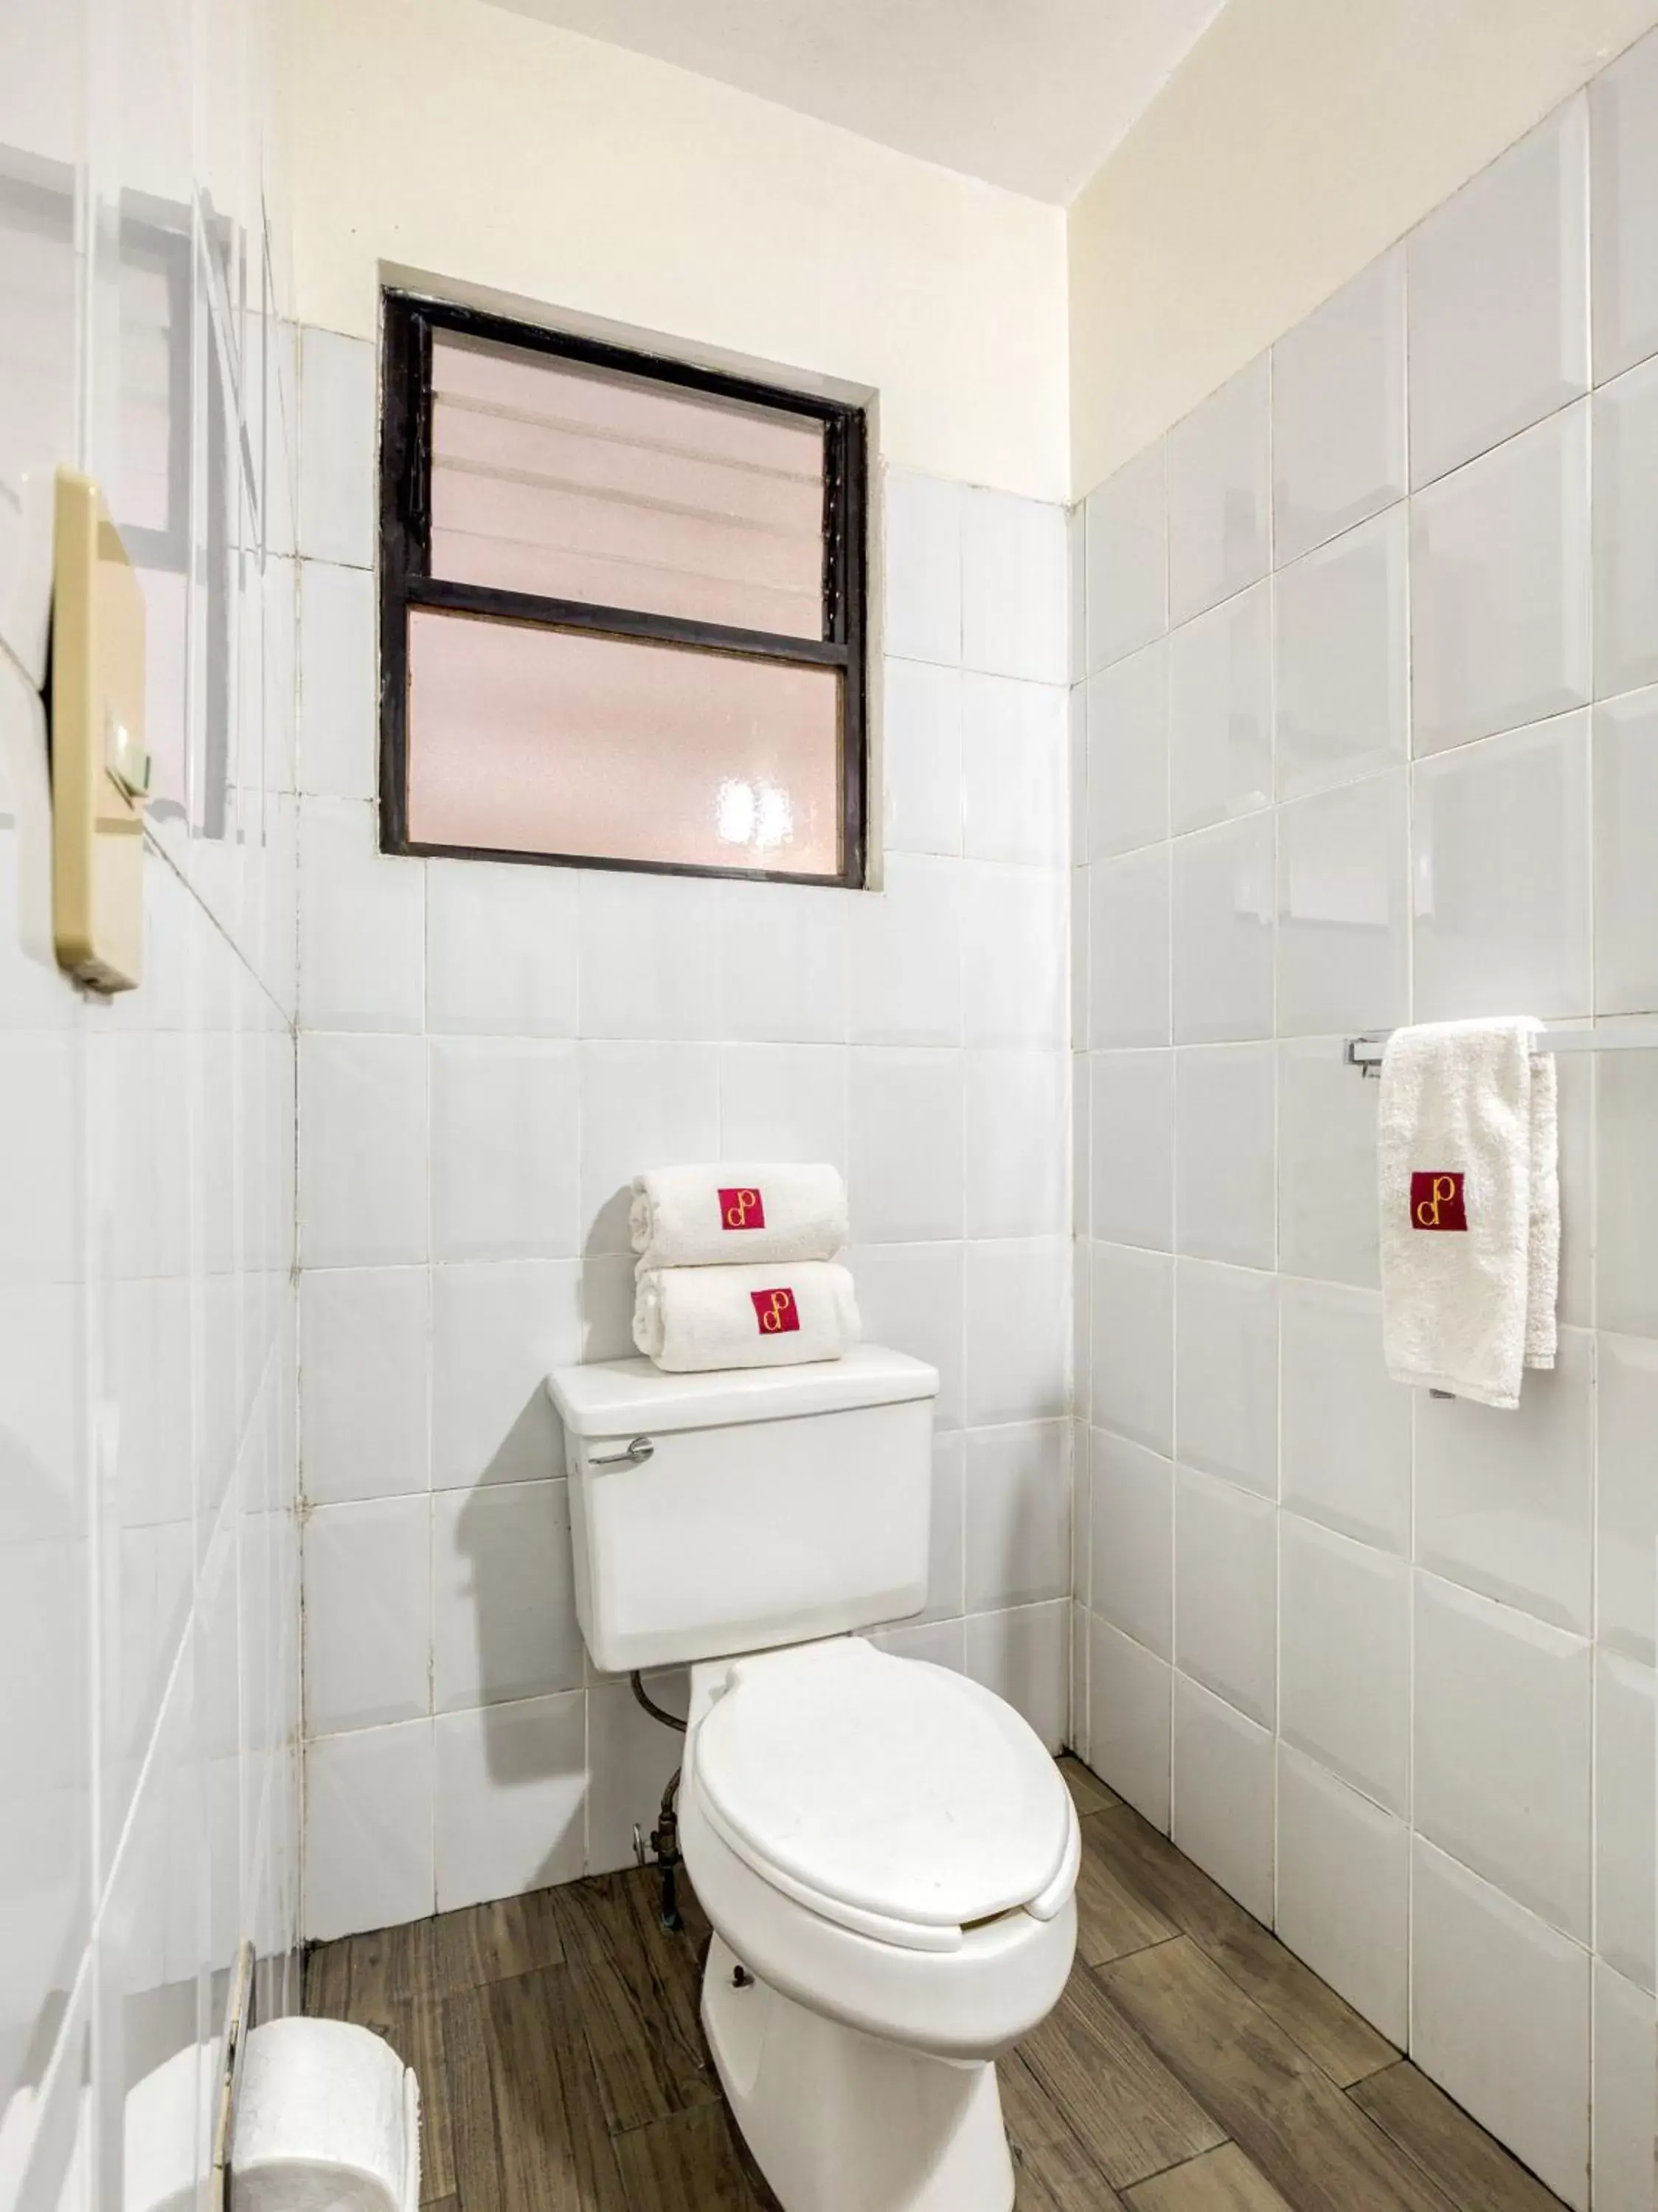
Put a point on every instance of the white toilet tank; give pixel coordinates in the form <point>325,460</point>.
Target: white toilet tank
<point>727,1512</point>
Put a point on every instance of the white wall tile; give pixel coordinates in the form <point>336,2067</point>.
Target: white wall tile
<point>642,1106</point>
<point>1500,587</point>
<point>1024,1656</point>
<point>1344,1896</point>
<point>368,1613</point>
<point>499,1330</point>
<point>1219,494</point>
<point>1126,559</point>
<point>338,448</point>
<point>1327,1167</point>
<point>1499,298</point>
<point>1220,712</point>
<point>1627,1507</point>
<point>649,955</point>
<point>1624,158</point>
<point>783,962</point>
<point>1129,950</point>
<point>1226,1592</point>
<point>1223,1795</point>
<point>339,736</point>
<point>502,947</point>
<point>1132,1541</point>
<point>781,1102</point>
<point>1224,1146</point>
<point>1226,1373</point>
<point>940,1643</point>
<point>504,1139</point>
<point>906,1144</point>
<point>911,1297</point>
<point>1013,596</point>
<point>1014,738</point>
<point>921,745</point>
<point>1500,2017</point>
<point>1625,521</point>
<point>362,1151</point>
<point>1017,1116</point>
<point>1126,716</point>
<point>1131,1136</point>
<point>1346,1437</point>
<point>1222,933</point>
<point>363,1334</point>
<point>1129,1710</point>
<point>1017,1515</point>
<point>503,1601</point>
<point>1502,1727</point>
<point>511,1798</point>
<point>1625,784</point>
<point>1132,1365</point>
<point>1014,985</point>
<point>1625,1710</point>
<point>1344,1657</point>
<point>1076,610</point>
<point>1501,875</point>
<point>368,1830</point>
<point>363,918</point>
<point>1018,1296</point>
<point>1507,1507</point>
<point>947,1571</point>
<point>923,567</point>
<point>1341,681</point>
<point>906,956</point>
<point>630,1758</point>
<point>1621,2152</point>
<point>1344,946</point>
<point>1338,411</point>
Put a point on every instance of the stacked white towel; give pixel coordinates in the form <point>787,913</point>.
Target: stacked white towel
<point>736,1266</point>
<point>1468,1161</point>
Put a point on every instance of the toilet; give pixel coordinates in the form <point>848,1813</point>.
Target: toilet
<point>887,1853</point>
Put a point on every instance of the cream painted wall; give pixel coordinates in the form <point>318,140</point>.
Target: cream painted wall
<point>451,137</point>
<point>1298,139</point>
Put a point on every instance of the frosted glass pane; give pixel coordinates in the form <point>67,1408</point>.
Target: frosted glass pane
<point>531,740</point>
<point>579,484</point>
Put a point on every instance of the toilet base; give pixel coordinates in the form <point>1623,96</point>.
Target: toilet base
<point>839,2121</point>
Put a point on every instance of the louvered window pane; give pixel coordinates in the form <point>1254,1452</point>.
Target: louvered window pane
<point>572,482</point>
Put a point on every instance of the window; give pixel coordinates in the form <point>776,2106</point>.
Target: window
<point>622,610</point>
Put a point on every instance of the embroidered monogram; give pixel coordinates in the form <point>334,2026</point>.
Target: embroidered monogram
<point>776,1311</point>
<point>1437,1201</point>
<point>741,1209</point>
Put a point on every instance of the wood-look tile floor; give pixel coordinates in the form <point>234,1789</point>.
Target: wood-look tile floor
<point>1194,2064</point>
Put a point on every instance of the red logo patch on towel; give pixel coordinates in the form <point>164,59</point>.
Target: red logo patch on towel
<point>741,1209</point>
<point>1437,1201</point>
<point>776,1311</point>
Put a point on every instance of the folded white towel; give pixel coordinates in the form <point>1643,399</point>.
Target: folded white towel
<point>1467,1153</point>
<point>777,1314</point>
<point>703,1217</point>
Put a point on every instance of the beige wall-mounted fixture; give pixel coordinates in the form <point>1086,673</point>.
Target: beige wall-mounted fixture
<point>100,765</point>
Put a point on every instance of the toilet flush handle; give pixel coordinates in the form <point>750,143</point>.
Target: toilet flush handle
<point>635,1455</point>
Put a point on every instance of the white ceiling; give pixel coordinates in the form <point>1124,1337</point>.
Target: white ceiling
<point>1028,94</point>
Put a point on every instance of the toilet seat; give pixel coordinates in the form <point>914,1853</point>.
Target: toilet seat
<point>896,1798</point>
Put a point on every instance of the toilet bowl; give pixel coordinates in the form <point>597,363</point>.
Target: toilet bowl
<point>887,1857</point>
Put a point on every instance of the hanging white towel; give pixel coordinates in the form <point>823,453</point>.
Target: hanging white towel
<point>777,1314</point>
<point>703,1216</point>
<point>1468,1158</point>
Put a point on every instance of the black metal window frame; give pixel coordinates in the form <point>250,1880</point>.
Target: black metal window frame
<point>408,321</point>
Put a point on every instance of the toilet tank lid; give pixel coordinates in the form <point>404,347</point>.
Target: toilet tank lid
<point>633,1397</point>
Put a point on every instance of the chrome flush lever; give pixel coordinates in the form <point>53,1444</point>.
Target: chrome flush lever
<point>637,1453</point>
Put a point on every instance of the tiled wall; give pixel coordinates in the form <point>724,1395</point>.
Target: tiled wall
<point>489,1052</point>
<point>1360,736</point>
<point>148,1552</point>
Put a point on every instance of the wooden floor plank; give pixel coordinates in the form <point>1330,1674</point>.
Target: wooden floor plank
<point>492,1942</point>
<point>415,2032</point>
<point>1309,2140</point>
<point>1130,2113</point>
<point>1053,2171</point>
<point>328,1980</point>
<point>1309,2012</point>
<point>1113,1919</point>
<point>638,1988</point>
<point>685,2163</point>
<point>1221,2180</point>
<point>1471,2166</point>
<point>1088,1793</point>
